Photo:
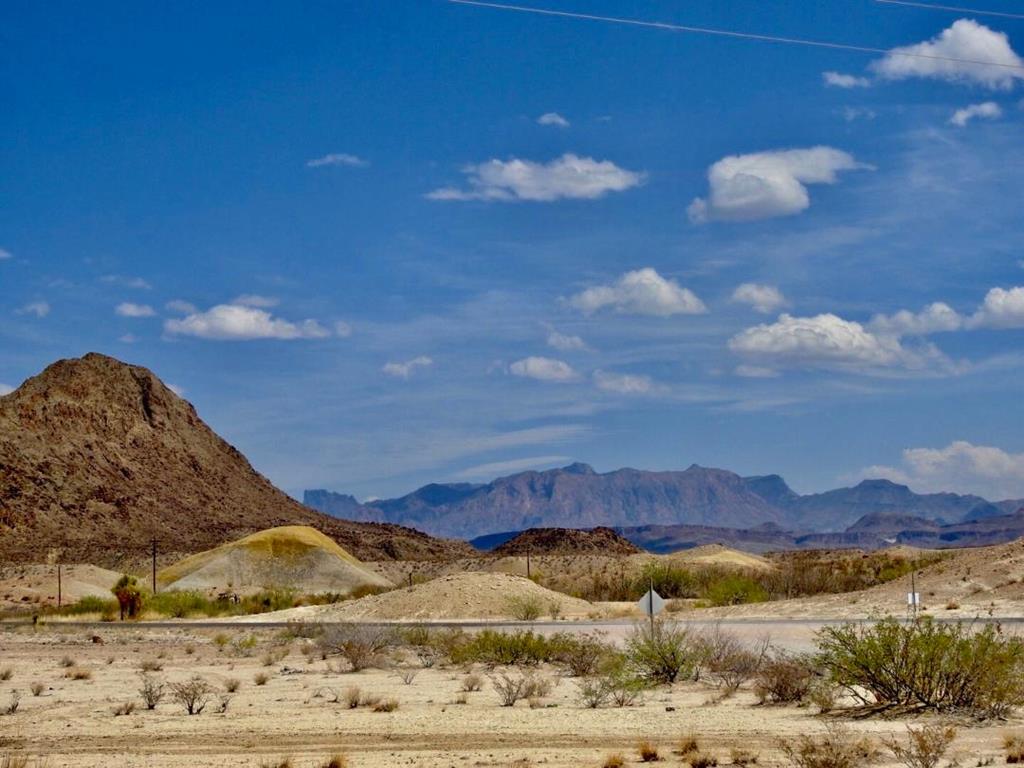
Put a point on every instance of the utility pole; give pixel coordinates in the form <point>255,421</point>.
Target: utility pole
<point>913,593</point>
<point>527,562</point>
<point>59,591</point>
<point>650,605</point>
<point>154,566</point>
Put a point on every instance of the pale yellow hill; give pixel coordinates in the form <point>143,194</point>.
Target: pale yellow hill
<point>294,557</point>
<point>29,585</point>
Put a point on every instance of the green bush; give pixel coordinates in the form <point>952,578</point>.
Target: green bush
<point>662,652</point>
<point>495,648</point>
<point>926,665</point>
<point>91,604</point>
<point>735,589</point>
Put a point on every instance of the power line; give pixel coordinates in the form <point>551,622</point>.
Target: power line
<point>731,33</point>
<point>952,8</point>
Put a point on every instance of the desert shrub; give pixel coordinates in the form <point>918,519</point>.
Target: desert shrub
<point>614,761</point>
<point>223,702</point>
<point>784,679</point>
<point>360,645</point>
<point>193,694</point>
<point>129,596</point>
<point>386,705</point>
<point>124,709</point>
<point>261,678</point>
<point>688,745</point>
<point>78,673</point>
<point>735,589</point>
<point>525,607</point>
<point>472,682</point>
<point>663,652</point>
<point>243,646</point>
<point>538,686</point>
<point>1013,745</point>
<point>511,688</point>
<point>6,673</point>
<point>701,760</point>
<point>926,665</point>
<point>740,756</point>
<point>268,600</point>
<point>730,662</point>
<point>353,696</point>
<point>12,704</point>
<point>647,752</point>
<point>925,747</point>
<point>232,684</point>
<point>182,604</point>
<point>580,655</point>
<point>151,690</point>
<point>90,604</point>
<point>407,676</point>
<point>151,665</point>
<point>495,648</point>
<point>838,748</point>
<point>335,761</point>
<point>67,661</point>
<point>593,692</point>
<point>37,688</point>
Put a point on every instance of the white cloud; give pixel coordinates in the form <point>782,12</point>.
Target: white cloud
<point>565,342</point>
<point>128,309</point>
<point>405,370</point>
<point>763,298</point>
<point>553,118</point>
<point>826,341</point>
<point>935,318</point>
<point>960,466</point>
<point>988,110</point>
<point>966,40</point>
<point>182,307</point>
<point>5,389</point>
<point>843,80</point>
<point>543,369</point>
<point>566,177</point>
<point>756,372</point>
<point>502,468</point>
<point>337,158</point>
<point>127,281</point>
<point>623,383</point>
<point>254,300</point>
<point>5,255</point>
<point>851,114</point>
<point>767,184</point>
<point>640,292</point>
<point>179,391</point>
<point>342,329</point>
<point>230,322</point>
<point>37,308</point>
<point>128,338</point>
<point>1001,308</point>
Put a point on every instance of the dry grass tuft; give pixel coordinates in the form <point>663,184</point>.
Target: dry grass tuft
<point>648,752</point>
<point>614,761</point>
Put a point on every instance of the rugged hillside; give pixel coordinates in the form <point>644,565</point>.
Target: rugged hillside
<point>98,457</point>
<point>567,541</point>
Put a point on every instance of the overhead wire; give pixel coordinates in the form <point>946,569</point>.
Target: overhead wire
<point>952,9</point>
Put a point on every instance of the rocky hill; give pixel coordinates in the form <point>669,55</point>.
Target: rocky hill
<point>98,457</point>
<point>567,541</point>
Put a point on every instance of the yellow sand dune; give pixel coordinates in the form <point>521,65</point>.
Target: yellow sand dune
<point>293,556</point>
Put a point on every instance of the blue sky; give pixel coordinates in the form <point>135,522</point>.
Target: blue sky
<point>381,244</point>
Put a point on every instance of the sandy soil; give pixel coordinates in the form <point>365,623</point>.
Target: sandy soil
<point>32,584</point>
<point>72,722</point>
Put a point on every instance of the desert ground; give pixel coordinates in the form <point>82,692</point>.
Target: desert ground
<point>294,714</point>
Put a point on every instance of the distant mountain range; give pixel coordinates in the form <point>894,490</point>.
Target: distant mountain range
<point>697,498</point>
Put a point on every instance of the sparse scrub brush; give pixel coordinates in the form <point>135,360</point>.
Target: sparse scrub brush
<point>151,690</point>
<point>784,679</point>
<point>648,752</point>
<point>1013,745</point>
<point>925,747</point>
<point>12,704</point>
<point>472,682</point>
<point>614,761</point>
<point>387,705</point>
<point>232,684</point>
<point>361,646</point>
<point>6,673</point>
<point>525,607</point>
<point>260,678</point>
<point>37,688</point>
<point>193,694</point>
<point>335,761</point>
<point>663,652</point>
<point>838,748</point>
<point>510,688</point>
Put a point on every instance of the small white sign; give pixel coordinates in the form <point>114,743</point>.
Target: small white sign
<point>913,598</point>
<point>651,604</point>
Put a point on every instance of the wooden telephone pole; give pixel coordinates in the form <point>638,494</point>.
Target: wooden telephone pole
<point>154,566</point>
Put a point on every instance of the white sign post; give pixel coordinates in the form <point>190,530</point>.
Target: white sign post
<point>652,604</point>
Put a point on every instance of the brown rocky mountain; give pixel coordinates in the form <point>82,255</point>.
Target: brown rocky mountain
<point>567,541</point>
<point>98,457</point>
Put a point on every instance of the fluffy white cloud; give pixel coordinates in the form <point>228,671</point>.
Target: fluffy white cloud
<point>566,177</point>
<point>37,308</point>
<point>1002,308</point>
<point>181,307</point>
<point>565,342</point>
<point>254,300</point>
<point>5,389</point>
<point>767,184</point>
<point>128,309</point>
<point>843,80</point>
<point>640,292</point>
<point>623,383</point>
<point>405,370</point>
<point>553,118</point>
<point>337,158</point>
<point>960,466</point>
<point>543,369</point>
<point>988,110</point>
<point>935,318</point>
<point>231,322</point>
<point>950,56</point>
<point>825,341</point>
<point>763,298</point>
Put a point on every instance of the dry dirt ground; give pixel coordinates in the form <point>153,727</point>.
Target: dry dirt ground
<point>72,723</point>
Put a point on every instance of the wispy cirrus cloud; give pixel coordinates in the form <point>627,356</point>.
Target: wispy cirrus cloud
<point>843,80</point>
<point>569,177</point>
<point>37,308</point>
<point>337,159</point>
